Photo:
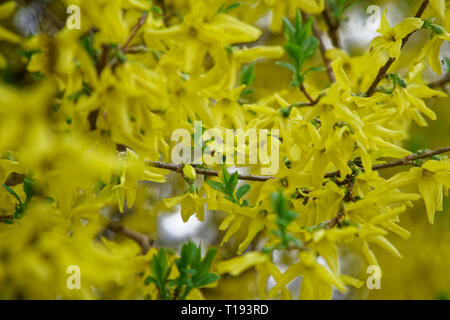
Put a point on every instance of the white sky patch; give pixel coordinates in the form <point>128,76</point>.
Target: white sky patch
<point>355,31</point>
<point>175,227</point>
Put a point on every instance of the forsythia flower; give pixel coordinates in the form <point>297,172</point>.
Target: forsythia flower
<point>391,39</point>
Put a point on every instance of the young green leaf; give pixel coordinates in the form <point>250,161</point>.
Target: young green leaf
<point>242,190</point>
<point>216,185</point>
<point>247,75</point>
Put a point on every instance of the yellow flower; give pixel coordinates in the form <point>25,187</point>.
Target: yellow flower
<point>190,203</point>
<point>433,177</point>
<point>317,280</point>
<point>410,101</point>
<point>432,50</point>
<point>132,169</point>
<point>203,26</point>
<point>6,10</point>
<point>439,7</point>
<point>281,7</point>
<point>390,40</point>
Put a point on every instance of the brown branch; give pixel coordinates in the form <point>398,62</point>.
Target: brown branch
<point>349,181</point>
<point>14,179</point>
<point>4,219</point>
<point>142,240</point>
<point>401,162</point>
<point>123,48</point>
<point>336,220</point>
<point>103,59</point>
<point>383,70</point>
<point>332,28</point>
<point>406,161</point>
<point>441,82</point>
<point>312,102</point>
<point>138,26</point>
<point>206,172</point>
<point>323,51</point>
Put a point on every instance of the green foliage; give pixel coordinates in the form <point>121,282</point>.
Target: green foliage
<point>228,187</point>
<point>338,7</point>
<point>428,24</point>
<point>85,90</point>
<point>21,206</point>
<point>301,45</point>
<point>87,42</point>
<point>285,217</point>
<point>193,272</point>
<point>247,77</point>
<point>226,9</point>
<point>396,80</point>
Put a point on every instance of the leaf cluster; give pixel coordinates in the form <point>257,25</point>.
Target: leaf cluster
<point>301,45</point>
<point>193,272</point>
<point>228,187</point>
<point>285,218</point>
<point>21,207</point>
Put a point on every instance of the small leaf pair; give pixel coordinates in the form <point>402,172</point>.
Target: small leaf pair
<point>228,186</point>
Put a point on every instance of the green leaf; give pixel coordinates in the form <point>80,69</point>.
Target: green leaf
<point>207,279</point>
<point>206,262</point>
<point>247,91</point>
<point>295,52</point>
<point>216,186</point>
<point>226,175</point>
<point>149,280</point>
<point>305,32</point>
<point>157,10</point>
<point>247,75</point>
<point>231,186</point>
<point>13,193</point>
<point>309,47</point>
<point>278,202</point>
<point>314,69</point>
<point>401,82</point>
<point>28,54</point>
<point>231,199</point>
<point>87,42</point>
<point>243,190</point>
<point>287,65</point>
<point>232,6</point>
<point>28,187</point>
<point>290,215</point>
<point>289,29</point>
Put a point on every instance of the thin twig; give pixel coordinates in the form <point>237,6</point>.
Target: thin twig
<point>441,82</point>
<point>332,28</point>
<point>323,51</point>
<point>124,47</point>
<point>142,240</point>
<point>103,59</point>
<point>4,219</point>
<point>206,172</point>
<point>382,72</point>
<point>312,102</point>
<point>336,220</point>
<point>401,162</point>
<point>406,161</point>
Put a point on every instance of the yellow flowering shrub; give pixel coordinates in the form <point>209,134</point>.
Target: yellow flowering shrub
<point>87,117</point>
